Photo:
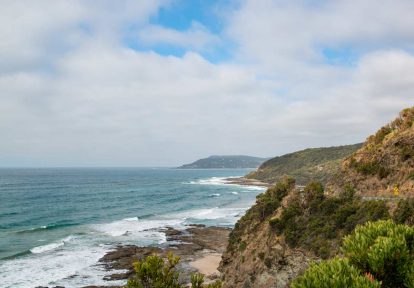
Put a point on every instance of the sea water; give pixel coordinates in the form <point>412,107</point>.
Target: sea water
<point>55,224</point>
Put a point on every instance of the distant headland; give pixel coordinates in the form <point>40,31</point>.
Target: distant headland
<point>225,161</point>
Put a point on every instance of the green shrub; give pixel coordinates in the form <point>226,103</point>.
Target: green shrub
<point>404,213</point>
<point>336,273</point>
<point>367,211</point>
<point>197,281</point>
<point>383,249</point>
<point>242,246</point>
<point>313,191</point>
<point>378,254</point>
<point>348,192</point>
<point>268,202</point>
<point>155,272</point>
<point>372,168</point>
<point>343,213</point>
<point>382,133</point>
<point>407,152</point>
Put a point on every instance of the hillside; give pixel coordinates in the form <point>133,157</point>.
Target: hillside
<point>384,164</point>
<point>287,228</point>
<point>226,161</point>
<point>277,238</point>
<point>314,164</point>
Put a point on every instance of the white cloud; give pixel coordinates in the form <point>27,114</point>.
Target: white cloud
<point>72,94</point>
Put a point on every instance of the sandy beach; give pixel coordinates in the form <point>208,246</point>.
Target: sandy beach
<point>208,263</point>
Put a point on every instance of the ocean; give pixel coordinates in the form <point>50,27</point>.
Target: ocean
<point>55,224</point>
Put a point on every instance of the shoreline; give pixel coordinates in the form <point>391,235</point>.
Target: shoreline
<point>246,182</point>
<point>199,247</point>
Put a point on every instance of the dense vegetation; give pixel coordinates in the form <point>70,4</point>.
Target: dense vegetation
<point>378,254</point>
<point>226,161</point>
<point>316,164</point>
<point>317,223</point>
<point>312,220</point>
<point>155,272</point>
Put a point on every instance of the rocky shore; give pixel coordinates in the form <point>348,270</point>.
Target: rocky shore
<point>199,247</point>
<point>246,182</point>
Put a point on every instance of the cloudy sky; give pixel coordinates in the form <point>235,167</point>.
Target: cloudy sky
<point>161,83</point>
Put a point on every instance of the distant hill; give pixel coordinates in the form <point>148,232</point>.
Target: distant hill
<point>225,161</point>
<point>313,164</point>
<point>384,162</point>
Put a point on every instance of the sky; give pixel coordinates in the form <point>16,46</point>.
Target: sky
<point>165,82</point>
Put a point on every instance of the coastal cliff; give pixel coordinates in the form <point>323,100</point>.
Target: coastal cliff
<point>256,256</point>
<point>288,227</point>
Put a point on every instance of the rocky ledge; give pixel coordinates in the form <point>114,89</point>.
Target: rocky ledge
<point>246,182</point>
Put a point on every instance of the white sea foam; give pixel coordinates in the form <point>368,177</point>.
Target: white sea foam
<point>214,195</point>
<point>226,216</point>
<point>45,248</point>
<point>73,265</point>
<point>211,181</point>
<point>224,181</point>
<point>235,193</point>
<point>138,229</point>
<point>51,246</point>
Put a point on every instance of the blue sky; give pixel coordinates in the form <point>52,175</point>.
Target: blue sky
<point>181,15</point>
<point>161,83</point>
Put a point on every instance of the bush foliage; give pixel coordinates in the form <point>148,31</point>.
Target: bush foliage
<point>155,272</point>
<point>378,254</point>
<point>383,249</point>
<point>336,273</point>
<point>404,213</point>
<point>370,168</point>
<point>318,223</point>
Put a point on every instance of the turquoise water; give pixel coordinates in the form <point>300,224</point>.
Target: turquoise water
<point>55,224</point>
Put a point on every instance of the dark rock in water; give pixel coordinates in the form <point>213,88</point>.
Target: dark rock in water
<point>123,257</point>
<point>172,232</point>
